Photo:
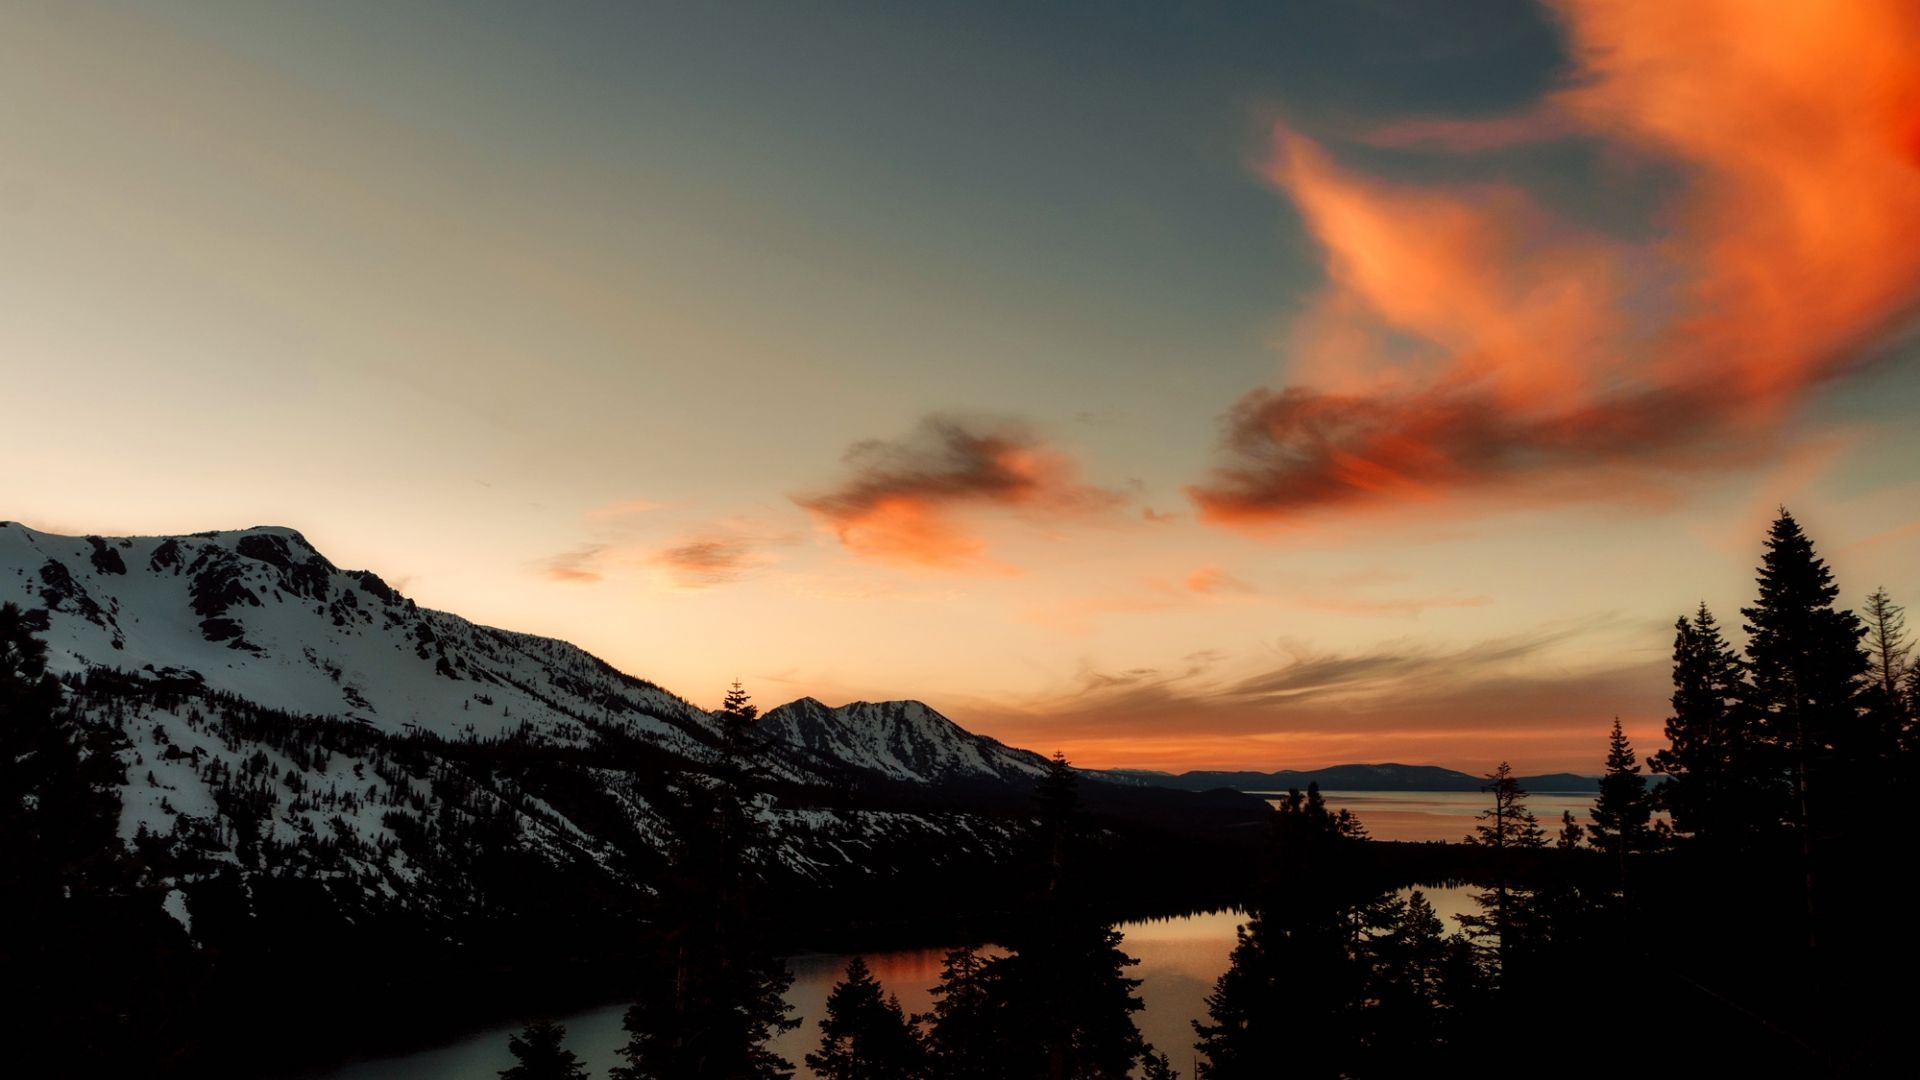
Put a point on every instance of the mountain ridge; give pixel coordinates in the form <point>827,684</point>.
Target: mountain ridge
<point>239,587</point>
<point>1386,776</point>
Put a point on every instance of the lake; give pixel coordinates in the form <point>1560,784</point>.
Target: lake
<point>1443,815</point>
<point>1179,958</point>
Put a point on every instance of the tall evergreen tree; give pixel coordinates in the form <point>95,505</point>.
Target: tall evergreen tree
<point>1623,813</point>
<point>1887,644</point>
<point>1406,997</point>
<point>864,1035</point>
<point>1506,922</point>
<point>539,1055</point>
<point>1889,705</point>
<point>1062,988</point>
<point>960,1030</point>
<point>1571,832</point>
<point>1722,785</point>
<point>1157,1066</point>
<point>737,716</point>
<point>738,703</point>
<point>1807,663</point>
<point>1910,742</point>
<point>715,996</point>
<point>1289,1002</point>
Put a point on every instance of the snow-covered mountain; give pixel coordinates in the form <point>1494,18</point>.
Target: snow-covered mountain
<point>277,715</point>
<point>901,740</point>
<point>259,614</point>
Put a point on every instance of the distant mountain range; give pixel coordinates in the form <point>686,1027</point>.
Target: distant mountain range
<point>1385,777</point>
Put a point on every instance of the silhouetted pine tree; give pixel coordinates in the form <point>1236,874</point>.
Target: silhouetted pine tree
<point>1807,662</point>
<point>539,1055</point>
<point>1571,832</point>
<point>1623,813</point>
<point>1157,1066</point>
<point>1887,644</point>
<point>960,1029</point>
<point>739,704</point>
<point>1405,1019</point>
<point>1888,707</point>
<point>1285,1006</point>
<point>1910,742</point>
<point>1061,991</point>
<point>1506,927</point>
<point>737,716</point>
<point>1306,821</point>
<point>715,996</point>
<point>1056,804</point>
<point>1725,784</point>
<point>864,1035</point>
<point>1290,1000</point>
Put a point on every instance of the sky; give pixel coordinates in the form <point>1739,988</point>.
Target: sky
<point>1174,385</point>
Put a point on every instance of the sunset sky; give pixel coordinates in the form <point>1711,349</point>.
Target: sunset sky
<point>1178,385</point>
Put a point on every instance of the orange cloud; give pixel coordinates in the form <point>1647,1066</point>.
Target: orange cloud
<point>1469,339</point>
<point>908,500</point>
<point>1212,579</point>
<point>703,563</point>
<point>577,567</point>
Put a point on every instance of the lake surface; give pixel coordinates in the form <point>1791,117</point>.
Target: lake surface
<point>1179,959</point>
<point>1444,815</point>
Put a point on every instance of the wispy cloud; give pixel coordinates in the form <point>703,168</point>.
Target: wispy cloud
<point>907,500</point>
<point>1521,696</point>
<point>709,561</point>
<point>1471,340</point>
<point>1389,669</point>
<point>581,566</point>
<point>1212,579</point>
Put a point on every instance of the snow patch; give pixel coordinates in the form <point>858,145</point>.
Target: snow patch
<point>176,905</point>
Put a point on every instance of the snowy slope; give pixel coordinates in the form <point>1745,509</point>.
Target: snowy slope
<point>260,614</point>
<point>900,740</point>
<point>277,717</point>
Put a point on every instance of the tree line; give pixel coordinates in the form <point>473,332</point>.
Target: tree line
<point>1725,917</point>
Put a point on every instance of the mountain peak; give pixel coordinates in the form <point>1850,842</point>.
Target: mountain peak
<point>902,740</point>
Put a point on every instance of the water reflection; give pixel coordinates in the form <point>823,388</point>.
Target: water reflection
<point>1443,815</point>
<point>1179,960</point>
